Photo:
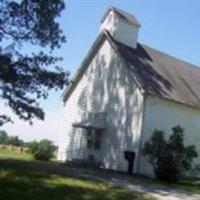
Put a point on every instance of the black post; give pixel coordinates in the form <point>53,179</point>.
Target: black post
<point>130,157</point>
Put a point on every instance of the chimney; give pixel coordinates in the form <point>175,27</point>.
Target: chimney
<point>122,26</point>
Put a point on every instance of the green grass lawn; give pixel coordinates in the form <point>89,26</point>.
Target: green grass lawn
<point>8,154</point>
<point>192,186</point>
<point>23,178</point>
<point>30,185</point>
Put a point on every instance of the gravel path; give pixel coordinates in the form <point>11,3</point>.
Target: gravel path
<point>137,184</point>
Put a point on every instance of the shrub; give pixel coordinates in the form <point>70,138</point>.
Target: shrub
<point>43,150</point>
<point>32,147</point>
<point>169,158</point>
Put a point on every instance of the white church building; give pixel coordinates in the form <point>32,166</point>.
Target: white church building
<point>121,93</point>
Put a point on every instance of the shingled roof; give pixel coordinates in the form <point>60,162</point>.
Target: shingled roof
<point>156,72</point>
<point>163,75</point>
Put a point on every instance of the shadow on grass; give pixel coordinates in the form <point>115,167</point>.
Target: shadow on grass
<point>24,185</point>
<point>28,180</point>
<point>103,176</point>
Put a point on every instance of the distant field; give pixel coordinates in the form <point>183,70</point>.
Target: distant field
<point>15,155</point>
<point>10,154</point>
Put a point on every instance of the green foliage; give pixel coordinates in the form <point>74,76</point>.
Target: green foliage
<point>3,137</point>
<point>169,158</point>
<point>10,140</point>
<point>15,141</point>
<point>29,33</point>
<point>43,150</point>
<point>32,146</point>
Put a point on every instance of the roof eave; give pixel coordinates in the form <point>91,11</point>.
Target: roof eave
<point>178,101</point>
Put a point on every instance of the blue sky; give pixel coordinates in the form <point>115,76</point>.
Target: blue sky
<point>172,26</point>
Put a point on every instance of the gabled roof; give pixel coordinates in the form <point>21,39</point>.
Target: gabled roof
<point>127,16</point>
<point>163,75</point>
<point>156,72</point>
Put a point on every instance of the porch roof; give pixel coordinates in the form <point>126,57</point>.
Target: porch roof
<point>91,124</point>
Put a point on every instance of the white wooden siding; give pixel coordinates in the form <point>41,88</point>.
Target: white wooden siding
<point>106,86</point>
<point>163,115</point>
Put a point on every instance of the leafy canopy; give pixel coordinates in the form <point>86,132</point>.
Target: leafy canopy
<point>27,75</point>
<point>169,158</point>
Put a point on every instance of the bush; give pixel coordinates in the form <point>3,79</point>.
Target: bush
<point>43,150</point>
<point>169,158</point>
<point>32,147</point>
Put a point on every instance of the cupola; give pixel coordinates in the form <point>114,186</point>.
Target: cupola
<point>122,26</point>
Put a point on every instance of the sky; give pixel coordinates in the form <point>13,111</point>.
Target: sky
<point>172,26</point>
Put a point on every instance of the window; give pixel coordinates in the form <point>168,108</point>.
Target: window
<point>97,141</point>
<point>94,139</point>
<point>89,139</point>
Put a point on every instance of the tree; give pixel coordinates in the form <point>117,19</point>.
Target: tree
<point>14,140</point>
<point>43,150</point>
<point>10,140</point>
<point>27,76</point>
<point>3,137</point>
<point>169,158</point>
